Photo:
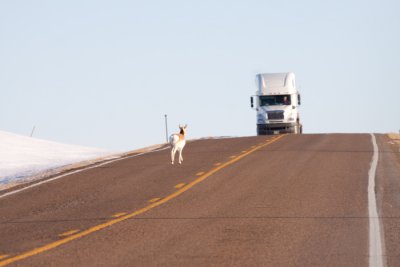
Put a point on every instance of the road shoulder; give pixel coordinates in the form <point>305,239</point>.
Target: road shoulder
<point>388,192</point>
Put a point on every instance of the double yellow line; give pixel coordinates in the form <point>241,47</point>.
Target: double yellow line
<point>137,212</point>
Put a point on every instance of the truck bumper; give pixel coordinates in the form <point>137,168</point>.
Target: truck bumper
<point>276,128</point>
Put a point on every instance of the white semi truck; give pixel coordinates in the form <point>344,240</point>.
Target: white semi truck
<point>277,104</point>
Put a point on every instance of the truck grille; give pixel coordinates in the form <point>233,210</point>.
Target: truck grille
<point>275,115</point>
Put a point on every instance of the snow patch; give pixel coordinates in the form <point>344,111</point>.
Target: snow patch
<point>22,157</point>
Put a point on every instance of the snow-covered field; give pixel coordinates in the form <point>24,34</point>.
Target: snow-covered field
<point>23,157</point>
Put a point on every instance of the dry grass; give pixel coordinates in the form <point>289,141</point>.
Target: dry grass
<point>395,137</point>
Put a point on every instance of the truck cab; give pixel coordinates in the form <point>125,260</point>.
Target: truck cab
<point>277,103</point>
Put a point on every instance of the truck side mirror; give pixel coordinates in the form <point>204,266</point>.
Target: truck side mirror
<point>251,102</point>
<point>298,100</point>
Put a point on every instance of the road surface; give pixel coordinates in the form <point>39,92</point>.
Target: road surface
<point>293,200</point>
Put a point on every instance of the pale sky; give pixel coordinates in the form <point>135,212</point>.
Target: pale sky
<point>104,73</point>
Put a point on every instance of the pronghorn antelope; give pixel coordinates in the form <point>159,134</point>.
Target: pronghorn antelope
<point>178,142</point>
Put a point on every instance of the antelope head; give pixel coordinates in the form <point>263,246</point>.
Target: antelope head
<point>183,129</point>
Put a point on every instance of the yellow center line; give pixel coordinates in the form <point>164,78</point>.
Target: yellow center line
<point>232,157</point>
<point>154,199</point>
<point>118,214</point>
<point>68,233</point>
<point>217,164</point>
<point>99,227</point>
<point>244,151</point>
<point>200,173</point>
<point>3,256</point>
<point>179,185</point>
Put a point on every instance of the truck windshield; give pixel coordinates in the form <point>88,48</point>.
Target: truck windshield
<point>273,100</point>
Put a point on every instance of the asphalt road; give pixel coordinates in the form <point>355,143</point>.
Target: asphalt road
<point>294,200</point>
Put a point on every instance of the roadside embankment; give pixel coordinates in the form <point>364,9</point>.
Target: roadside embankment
<point>47,174</point>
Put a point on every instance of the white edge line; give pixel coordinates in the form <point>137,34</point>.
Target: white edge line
<point>80,170</point>
<point>375,238</point>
